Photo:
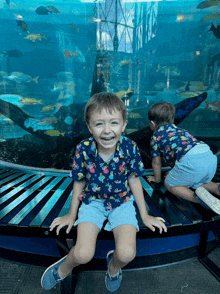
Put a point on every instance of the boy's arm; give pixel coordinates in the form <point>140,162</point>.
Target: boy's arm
<point>156,165</point>
<point>150,221</point>
<point>69,219</point>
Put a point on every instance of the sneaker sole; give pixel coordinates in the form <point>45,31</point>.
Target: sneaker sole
<point>208,199</point>
<point>60,260</point>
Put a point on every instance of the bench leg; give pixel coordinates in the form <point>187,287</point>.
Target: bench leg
<point>202,256</point>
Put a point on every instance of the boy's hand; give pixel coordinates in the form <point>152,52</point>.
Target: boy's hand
<point>63,221</point>
<point>151,222</point>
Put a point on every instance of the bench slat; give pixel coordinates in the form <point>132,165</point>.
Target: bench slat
<point>10,178</point>
<point>13,183</point>
<point>18,218</point>
<point>18,189</point>
<point>22,197</point>
<point>38,220</point>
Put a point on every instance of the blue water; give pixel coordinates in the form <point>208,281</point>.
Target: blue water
<point>165,52</point>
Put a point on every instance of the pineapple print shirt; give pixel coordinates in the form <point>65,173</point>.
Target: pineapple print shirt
<point>172,143</point>
<point>107,181</point>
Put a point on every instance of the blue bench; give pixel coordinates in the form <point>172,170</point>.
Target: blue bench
<point>31,198</point>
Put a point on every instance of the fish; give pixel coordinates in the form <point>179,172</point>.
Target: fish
<point>30,101</point>
<point>23,25</point>
<point>41,10</point>
<point>125,94</point>
<point>34,37</point>
<point>188,94</point>
<point>52,9</point>
<point>48,120</point>
<point>134,115</point>
<point>207,4</point>
<point>48,108</point>
<point>69,54</point>
<point>215,106</point>
<point>2,139</point>
<point>158,68</point>
<point>125,62</point>
<point>215,30</point>
<point>54,133</point>
<point>57,87</point>
<point>211,17</point>
<point>21,77</point>
<point>12,53</point>
<point>74,27</point>
<point>170,71</point>
<point>160,86</point>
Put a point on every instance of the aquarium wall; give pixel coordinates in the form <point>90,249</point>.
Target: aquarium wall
<point>56,54</point>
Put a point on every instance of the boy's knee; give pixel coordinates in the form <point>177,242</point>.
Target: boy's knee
<point>126,253</point>
<point>82,255</point>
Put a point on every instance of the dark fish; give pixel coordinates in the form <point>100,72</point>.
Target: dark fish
<point>41,10</point>
<point>215,30</point>
<point>23,25</point>
<point>12,53</point>
<point>207,4</point>
<point>52,9</point>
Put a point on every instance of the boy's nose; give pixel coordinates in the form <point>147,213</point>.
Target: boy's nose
<point>107,128</point>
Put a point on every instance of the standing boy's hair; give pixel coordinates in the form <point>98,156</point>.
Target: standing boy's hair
<point>105,100</point>
<point>162,113</point>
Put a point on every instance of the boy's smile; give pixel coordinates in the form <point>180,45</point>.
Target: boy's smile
<point>106,129</point>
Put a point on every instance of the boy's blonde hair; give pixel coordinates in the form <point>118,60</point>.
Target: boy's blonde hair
<point>162,113</point>
<point>105,100</point>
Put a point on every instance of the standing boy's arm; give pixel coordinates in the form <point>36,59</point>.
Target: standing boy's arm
<point>149,221</point>
<point>156,165</point>
<point>69,219</point>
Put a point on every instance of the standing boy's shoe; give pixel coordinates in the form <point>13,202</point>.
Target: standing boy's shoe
<point>112,283</point>
<point>207,198</point>
<point>51,276</point>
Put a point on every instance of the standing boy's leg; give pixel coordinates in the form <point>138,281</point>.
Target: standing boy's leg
<point>81,253</point>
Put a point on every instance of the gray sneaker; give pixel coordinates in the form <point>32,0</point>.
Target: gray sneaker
<point>112,283</point>
<point>212,202</point>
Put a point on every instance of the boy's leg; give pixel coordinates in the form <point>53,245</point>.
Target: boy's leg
<point>212,187</point>
<point>81,253</point>
<point>182,192</point>
<point>84,249</point>
<point>125,247</point>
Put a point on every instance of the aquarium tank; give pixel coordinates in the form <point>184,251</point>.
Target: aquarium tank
<point>56,54</point>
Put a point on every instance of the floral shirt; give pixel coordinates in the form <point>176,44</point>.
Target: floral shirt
<point>107,181</point>
<point>172,143</point>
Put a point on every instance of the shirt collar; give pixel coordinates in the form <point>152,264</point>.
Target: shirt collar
<point>120,150</point>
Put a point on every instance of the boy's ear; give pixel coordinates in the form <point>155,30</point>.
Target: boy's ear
<point>125,125</point>
<point>89,128</point>
<point>152,123</point>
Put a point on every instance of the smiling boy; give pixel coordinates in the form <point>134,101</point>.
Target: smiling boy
<point>106,171</point>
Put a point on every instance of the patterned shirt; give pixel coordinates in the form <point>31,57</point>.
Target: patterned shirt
<point>107,181</point>
<point>172,143</point>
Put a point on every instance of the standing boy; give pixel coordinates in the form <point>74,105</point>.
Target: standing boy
<point>106,172</point>
<point>195,164</point>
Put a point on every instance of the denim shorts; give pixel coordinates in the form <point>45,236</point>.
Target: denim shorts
<point>193,170</point>
<point>95,213</point>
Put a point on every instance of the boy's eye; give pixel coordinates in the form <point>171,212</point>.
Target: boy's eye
<point>98,124</point>
<point>114,122</point>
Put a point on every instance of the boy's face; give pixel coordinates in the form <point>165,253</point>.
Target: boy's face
<point>106,129</point>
